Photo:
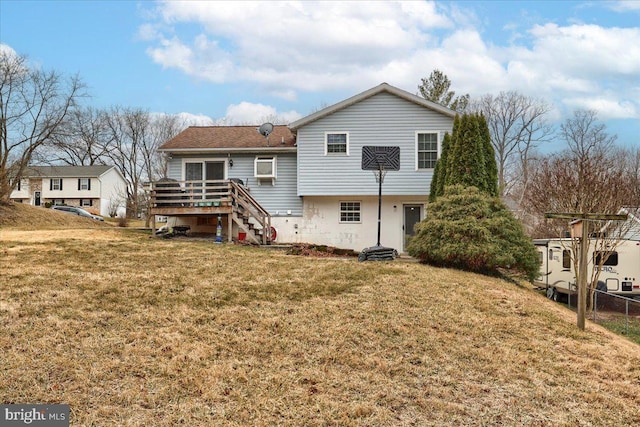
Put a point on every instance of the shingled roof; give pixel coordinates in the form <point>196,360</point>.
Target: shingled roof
<point>66,171</point>
<point>229,138</point>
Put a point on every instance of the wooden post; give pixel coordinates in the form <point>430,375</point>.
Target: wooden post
<point>584,252</point>
<point>582,275</point>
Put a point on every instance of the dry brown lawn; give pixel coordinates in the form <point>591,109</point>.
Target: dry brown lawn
<point>135,331</point>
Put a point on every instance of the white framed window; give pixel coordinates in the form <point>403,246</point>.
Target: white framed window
<point>350,212</point>
<point>84,184</point>
<point>336,143</point>
<point>204,169</point>
<point>55,184</point>
<point>265,167</point>
<point>86,202</point>
<point>426,150</point>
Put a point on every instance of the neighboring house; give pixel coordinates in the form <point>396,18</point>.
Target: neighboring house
<point>98,187</point>
<point>308,176</point>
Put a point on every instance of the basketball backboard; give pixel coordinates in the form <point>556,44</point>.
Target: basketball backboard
<point>380,158</point>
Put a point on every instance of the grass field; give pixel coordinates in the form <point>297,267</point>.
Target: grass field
<point>135,331</point>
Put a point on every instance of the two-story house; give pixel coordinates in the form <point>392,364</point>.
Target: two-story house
<point>307,177</point>
<point>99,187</point>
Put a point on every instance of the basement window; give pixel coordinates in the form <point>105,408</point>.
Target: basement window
<point>349,212</point>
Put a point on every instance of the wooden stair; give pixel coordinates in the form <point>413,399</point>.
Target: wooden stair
<point>250,216</point>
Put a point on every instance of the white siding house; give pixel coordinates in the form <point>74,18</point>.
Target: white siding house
<point>98,187</point>
<point>339,198</point>
<point>318,192</point>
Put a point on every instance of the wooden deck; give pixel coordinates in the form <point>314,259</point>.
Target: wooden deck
<point>211,198</point>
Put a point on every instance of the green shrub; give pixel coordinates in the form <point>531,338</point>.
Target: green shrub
<point>471,230</point>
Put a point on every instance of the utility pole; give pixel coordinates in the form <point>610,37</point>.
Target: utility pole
<point>582,223</point>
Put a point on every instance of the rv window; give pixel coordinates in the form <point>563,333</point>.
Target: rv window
<point>566,259</point>
<point>551,254</point>
<point>611,260</point>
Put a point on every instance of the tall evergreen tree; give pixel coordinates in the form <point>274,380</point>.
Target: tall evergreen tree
<point>466,162</point>
<point>467,158</point>
<point>439,172</point>
<point>491,166</point>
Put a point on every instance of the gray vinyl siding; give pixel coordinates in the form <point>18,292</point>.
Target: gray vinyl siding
<point>277,199</point>
<point>383,119</point>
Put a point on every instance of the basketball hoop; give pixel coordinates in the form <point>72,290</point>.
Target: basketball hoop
<point>379,174</point>
<point>379,159</point>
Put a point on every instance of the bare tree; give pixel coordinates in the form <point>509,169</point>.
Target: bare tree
<point>630,158</point>
<point>585,135</point>
<point>84,139</point>
<point>33,105</point>
<point>134,138</point>
<point>588,177</point>
<point>128,130</point>
<point>518,126</point>
<point>162,127</point>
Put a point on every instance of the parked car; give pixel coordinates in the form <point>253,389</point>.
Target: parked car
<point>77,211</point>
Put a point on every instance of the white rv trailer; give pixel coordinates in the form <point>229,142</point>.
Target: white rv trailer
<point>620,273</point>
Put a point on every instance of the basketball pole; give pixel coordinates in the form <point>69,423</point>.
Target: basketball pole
<point>379,201</point>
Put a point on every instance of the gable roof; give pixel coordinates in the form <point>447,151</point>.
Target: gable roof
<point>229,138</point>
<point>66,171</point>
<point>383,87</point>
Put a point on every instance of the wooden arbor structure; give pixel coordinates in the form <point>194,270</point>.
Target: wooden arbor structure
<point>580,230</point>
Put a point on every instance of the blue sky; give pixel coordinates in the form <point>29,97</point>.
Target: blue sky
<point>245,61</point>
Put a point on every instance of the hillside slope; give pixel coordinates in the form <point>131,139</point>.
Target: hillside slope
<point>26,217</point>
<point>137,331</point>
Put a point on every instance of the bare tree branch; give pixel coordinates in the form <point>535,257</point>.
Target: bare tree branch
<point>33,106</point>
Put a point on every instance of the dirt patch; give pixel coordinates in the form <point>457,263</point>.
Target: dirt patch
<point>307,249</point>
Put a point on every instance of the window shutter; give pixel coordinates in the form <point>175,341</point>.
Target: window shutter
<point>79,180</point>
<point>61,183</point>
<point>90,200</point>
<point>89,185</point>
<point>51,184</point>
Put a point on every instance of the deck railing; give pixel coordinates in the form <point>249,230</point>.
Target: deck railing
<point>209,197</point>
<point>182,194</point>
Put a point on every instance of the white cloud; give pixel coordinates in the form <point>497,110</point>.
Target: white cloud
<point>624,5</point>
<point>196,119</point>
<point>5,49</point>
<point>608,108</point>
<point>254,114</point>
<point>291,45</point>
<point>299,46</point>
